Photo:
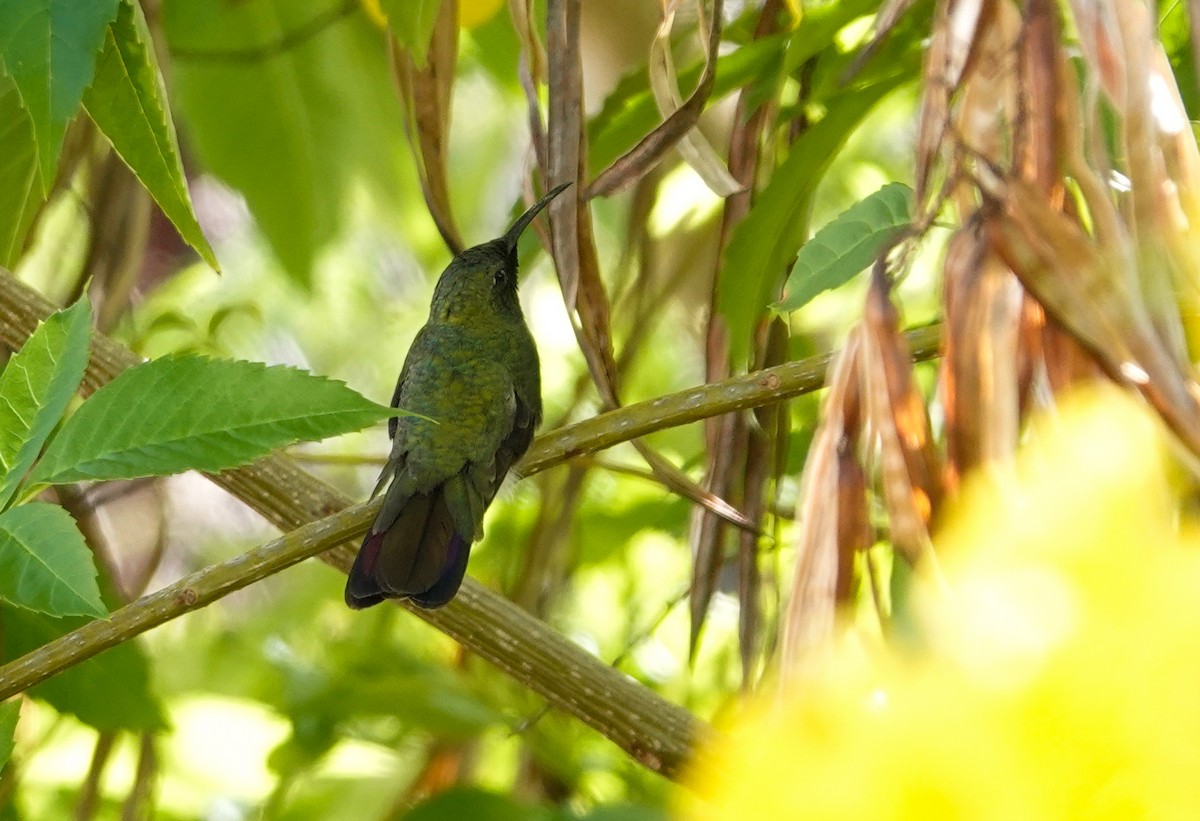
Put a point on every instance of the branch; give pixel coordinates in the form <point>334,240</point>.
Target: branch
<point>751,390</point>
<point>189,593</point>
<point>654,731</point>
<point>657,733</point>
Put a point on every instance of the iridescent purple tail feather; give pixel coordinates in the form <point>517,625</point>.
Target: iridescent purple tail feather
<point>420,556</point>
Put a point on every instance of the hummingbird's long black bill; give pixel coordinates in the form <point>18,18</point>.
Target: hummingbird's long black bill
<point>513,234</point>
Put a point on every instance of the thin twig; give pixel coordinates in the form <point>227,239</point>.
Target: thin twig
<point>775,508</point>
<point>749,390</point>
<point>650,149</point>
<point>301,456</point>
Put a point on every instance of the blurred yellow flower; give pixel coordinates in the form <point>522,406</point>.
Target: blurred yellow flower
<point>1059,674</point>
<point>471,13</point>
<point>374,12</point>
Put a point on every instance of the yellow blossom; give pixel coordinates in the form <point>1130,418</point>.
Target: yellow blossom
<point>1057,670</point>
<point>471,13</point>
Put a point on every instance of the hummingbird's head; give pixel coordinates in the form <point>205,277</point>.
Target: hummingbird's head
<point>485,276</point>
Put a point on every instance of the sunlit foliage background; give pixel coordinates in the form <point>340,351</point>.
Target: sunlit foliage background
<point>278,702</point>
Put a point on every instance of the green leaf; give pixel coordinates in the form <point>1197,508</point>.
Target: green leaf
<point>848,244</point>
<point>1174,31</point>
<point>128,102</point>
<point>297,131</point>
<point>625,812</point>
<point>630,112</point>
<point>412,22</point>
<point>819,27</point>
<point>35,388</point>
<point>191,413</point>
<point>45,565</point>
<point>21,192</point>
<point>109,692</point>
<point>49,49</point>
<point>476,804</point>
<point>429,698</point>
<point>9,713</point>
<point>496,47</point>
<point>771,234</point>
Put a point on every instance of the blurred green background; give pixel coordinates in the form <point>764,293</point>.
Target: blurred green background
<point>278,701</point>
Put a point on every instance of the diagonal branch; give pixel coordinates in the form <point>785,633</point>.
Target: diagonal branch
<point>657,733</point>
<point>190,593</point>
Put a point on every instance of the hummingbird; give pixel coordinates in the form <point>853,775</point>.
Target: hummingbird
<point>473,376</point>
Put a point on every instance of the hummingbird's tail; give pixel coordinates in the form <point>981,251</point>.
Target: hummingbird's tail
<point>419,556</point>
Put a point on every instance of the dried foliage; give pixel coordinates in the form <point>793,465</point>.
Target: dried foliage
<point>1070,174</point>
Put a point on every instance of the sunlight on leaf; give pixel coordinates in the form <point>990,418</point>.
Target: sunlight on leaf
<point>291,154</point>
<point>9,713</point>
<point>472,13</point>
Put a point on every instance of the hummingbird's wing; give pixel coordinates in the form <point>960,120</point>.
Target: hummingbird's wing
<point>486,468</point>
<point>513,447</point>
<point>487,475</point>
<point>419,343</point>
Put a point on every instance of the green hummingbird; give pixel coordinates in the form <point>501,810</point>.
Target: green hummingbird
<point>473,371</point>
